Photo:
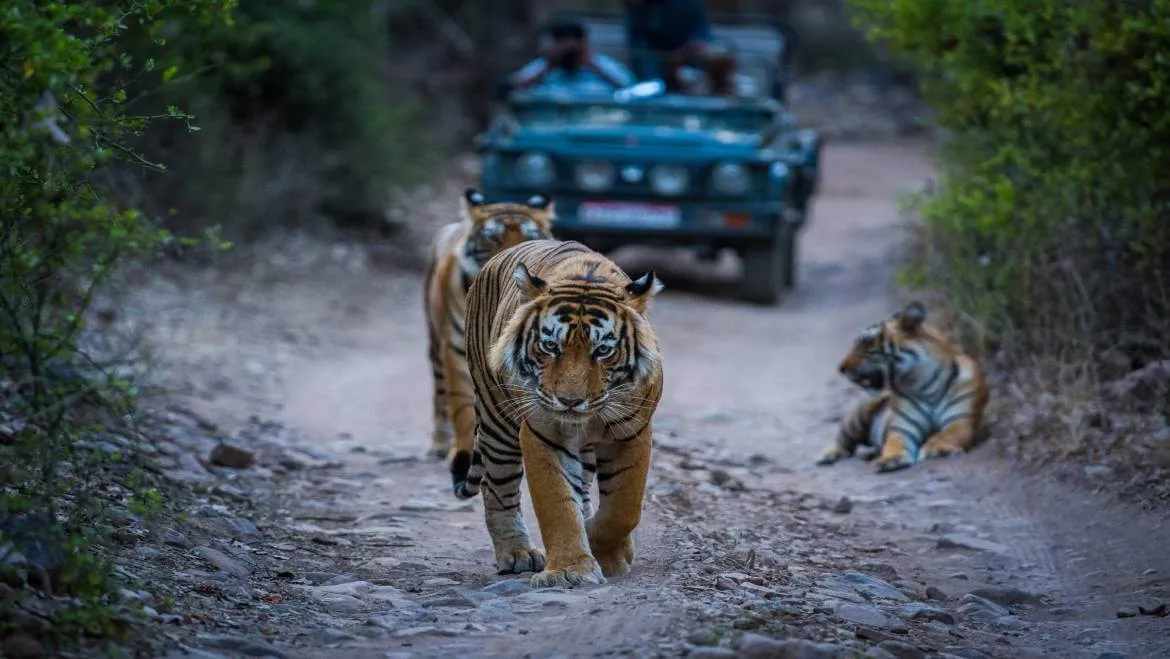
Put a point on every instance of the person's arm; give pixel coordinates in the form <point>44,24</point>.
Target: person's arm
<point>612,70</point>
<point>532,73</point>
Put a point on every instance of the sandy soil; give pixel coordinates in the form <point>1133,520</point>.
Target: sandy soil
<point>344,541</point>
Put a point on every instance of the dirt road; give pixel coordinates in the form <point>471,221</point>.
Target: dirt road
<point>345,541</point>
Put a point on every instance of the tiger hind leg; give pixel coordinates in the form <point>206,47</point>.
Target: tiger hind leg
<point>955,439</point>
<point>588,477</point>
<point>855,429</point>
<point>441,429</point>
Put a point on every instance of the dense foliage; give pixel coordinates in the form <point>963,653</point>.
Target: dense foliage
<point>1049,224</point>
<point>301,122</point>
<point>66,81</point>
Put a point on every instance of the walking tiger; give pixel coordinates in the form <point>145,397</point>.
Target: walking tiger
<point>457,253</point>
<point>567,374</point>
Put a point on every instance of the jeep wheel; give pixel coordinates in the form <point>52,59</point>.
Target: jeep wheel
<point>764,271</point>
<point>790,247</point>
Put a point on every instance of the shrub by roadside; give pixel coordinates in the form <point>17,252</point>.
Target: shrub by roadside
<point>301,125</point>
<point>69,473</point>
<point>1046,234</point>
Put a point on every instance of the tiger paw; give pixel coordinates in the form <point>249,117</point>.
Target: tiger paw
<point>941,451</point>
<point>520,560</point>
<point>831,456</point>
<point>585,571</point>
<point>617,560</point>
<point>889,463</point>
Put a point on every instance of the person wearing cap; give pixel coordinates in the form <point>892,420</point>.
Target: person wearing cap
<point>663,35</point>
<point>572,66</point>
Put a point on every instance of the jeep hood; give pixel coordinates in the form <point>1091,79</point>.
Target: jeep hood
<point>626,136</point>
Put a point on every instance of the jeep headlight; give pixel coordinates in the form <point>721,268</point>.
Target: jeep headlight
<point>594,176</point>
<point>731,178</point>
<point>669,180</point>
<point>535,168</point>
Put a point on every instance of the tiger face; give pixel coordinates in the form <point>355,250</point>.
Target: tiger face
<point>498,226</point>
<point>580,346</point>
<point>881,354</point>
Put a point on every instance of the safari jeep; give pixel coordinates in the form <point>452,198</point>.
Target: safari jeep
<point>650,168</point>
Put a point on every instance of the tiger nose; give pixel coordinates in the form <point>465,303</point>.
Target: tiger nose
<point>570,402</point>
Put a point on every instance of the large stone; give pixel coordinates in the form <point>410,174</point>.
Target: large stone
<point>233,457</point>
<point>1007,596</point>
<point>862,614</point>
<point>223,561</point>
<point>754,646</point>
<point>960,541</point>
<point>919,611</point>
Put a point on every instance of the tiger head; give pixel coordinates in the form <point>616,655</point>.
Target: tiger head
<point>580,345</point>
<point>892,351</point>
<point>498,226</point>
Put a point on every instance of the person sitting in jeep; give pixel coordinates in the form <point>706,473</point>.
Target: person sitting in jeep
<point>571,66</point>
<point>664,35</point>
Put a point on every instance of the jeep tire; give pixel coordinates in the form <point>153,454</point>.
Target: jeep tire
<point>789,240</point>
<point>764,272</point>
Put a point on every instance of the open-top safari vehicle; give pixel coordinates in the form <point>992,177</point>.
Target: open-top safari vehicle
<point>653,168</point>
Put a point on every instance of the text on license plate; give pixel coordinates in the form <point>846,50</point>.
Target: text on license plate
<point>649,216</point>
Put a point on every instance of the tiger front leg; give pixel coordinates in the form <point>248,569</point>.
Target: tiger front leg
<point>855,429</point>
<point>897,452</point>
<point>954,439</point>
<point>622,467</point>
<point>503,471</point>
<point>558,511</point>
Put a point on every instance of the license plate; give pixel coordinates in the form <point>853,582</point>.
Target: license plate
<point>642,216</point>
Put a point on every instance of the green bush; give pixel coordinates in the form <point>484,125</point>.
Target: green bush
<point>1049,223</point>
<point>64,122</point>
<point>300,121</point>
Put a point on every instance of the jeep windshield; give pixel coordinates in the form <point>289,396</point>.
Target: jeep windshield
<point>730,118</point>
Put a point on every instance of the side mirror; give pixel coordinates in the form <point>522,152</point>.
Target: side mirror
<point>641,90</point>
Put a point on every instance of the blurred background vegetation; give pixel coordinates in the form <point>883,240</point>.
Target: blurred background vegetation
<point>312,112</point>
<point>1047,231</point>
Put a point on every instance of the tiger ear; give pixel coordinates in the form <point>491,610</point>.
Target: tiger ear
<point>643,288</point>
<point>474,197</point>
<point>539,201</point>
<point>529,284</point>
<point>910,318</point>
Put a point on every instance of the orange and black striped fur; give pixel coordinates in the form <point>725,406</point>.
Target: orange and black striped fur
<point>457,253</point>
<point>928,395</point>
<point>567,375</point>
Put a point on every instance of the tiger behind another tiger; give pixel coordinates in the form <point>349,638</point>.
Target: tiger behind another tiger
<point>567,374</point>
<point>457,253</point>
<point>928,395</point>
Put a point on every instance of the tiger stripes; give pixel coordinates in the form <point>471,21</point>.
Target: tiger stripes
<point>458,251</point>
<point>930,396</point>
<point>567,374</point>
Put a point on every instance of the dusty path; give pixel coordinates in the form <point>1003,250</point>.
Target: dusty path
<point>359,550</point>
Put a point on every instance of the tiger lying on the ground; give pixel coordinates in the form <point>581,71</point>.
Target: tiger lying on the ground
<point>566,367</point>
<point>457,253</point>
<point>928,395</point>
